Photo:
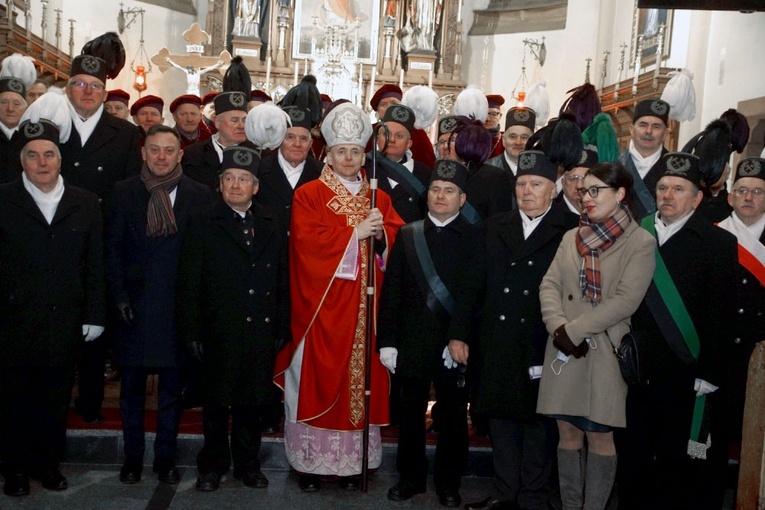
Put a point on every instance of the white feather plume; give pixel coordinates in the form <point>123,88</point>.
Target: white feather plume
<point>266,125</point>
<point>472,103</point>
<point>21,67</point>
<point>54,107</point>
<point>680,95</point>
<point>424,102</point>
<point>538,100</point>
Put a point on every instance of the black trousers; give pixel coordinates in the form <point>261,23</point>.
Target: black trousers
<point>524,453</point>
<point>452,445</point>
<point>654,469</point>
<point>33,407</point>
<point>216,455</point>
<point>132,408</point>
<point>90,376</point>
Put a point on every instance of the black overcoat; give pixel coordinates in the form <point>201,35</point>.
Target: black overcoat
<point>275,191</point>
<point>235,299</point>
<point>489,190</point>
<point>51,276</point>
<point>701,259</point>
<point>513,335</point>
<point>111,154</point>
<point>404,319</point>
<point>202,163</point>
<point>143,270</point>
<point>410,208</point>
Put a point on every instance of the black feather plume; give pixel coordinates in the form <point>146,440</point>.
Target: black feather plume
<point>306,96</point>
<point>713,149</point>
<point>108,47</point>
<point>237,78</point>
<point>560,140</point>
<point>739,129</point>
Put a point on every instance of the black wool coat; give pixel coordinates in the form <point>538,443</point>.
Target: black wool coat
<point>234,298</point>
<point>275,191</point>
<point>408,207</point>
<point>201,162</point>
<point>111,154</point>
<point>51,276</point>
<point>405,321</point>
<point>143,271</point>
<point>513,336</point>
<point>489,190</point>
<point>702,260</point>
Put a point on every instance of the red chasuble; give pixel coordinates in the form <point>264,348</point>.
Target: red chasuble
<point>329,313</point>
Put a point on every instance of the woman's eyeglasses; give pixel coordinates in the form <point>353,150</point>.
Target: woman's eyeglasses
<point>592,191</point>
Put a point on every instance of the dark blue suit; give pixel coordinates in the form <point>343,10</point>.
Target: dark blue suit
<point>142,271</point>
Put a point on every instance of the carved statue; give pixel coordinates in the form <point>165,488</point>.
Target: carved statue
<point>420,25</point>
<point>193,75</point>
<point>247,22</point>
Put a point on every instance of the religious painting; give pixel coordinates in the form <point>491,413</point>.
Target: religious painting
<point>646,22</point>
<point>336,30</point>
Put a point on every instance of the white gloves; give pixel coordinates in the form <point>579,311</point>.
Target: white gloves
<point>91,332</point>
<point>448,361</point>
<point>388,357</point>
<point>701,387</point>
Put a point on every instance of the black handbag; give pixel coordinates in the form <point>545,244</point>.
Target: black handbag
<point>632,356</point>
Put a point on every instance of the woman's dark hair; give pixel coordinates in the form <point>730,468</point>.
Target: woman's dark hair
<point>473,144</point>
<point>615,175</point>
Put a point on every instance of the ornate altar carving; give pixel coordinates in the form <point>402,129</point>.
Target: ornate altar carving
<point>351,46</point>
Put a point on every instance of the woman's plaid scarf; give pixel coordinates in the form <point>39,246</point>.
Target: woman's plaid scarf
<point>591,239</point>
<point>160,216</point>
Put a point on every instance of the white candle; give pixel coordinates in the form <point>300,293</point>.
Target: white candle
<point>430,79</point>
<point>372,80</point>
<point>297,70</point>
<point>306,70</point>
<point>268,72</point>
<point>459,11</point>
<point>401,80</point>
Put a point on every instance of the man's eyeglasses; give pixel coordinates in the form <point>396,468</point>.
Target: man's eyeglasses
<point>742,192</point>
<point>82,85</point>
<point>592,191</point>
<point>495,115</point>
<point>574,178</point>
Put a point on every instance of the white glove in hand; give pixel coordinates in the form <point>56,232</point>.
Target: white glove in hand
<point>388,357</point>
<point>447,357</point>
<point>91,332</point>
<point>701,387</point>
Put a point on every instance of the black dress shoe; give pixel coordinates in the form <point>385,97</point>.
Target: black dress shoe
<point>348,483</point>
<point>51,479</point>
<point>92,418</point>
<point>405,490</point>
<point>253,478</point>
<point>490,504</point>
<point>309,483</point>
<point>208,482</point>
<point>169,475</point>
<point>16,484</point>
<point>449,498</point>
<point>131,472</point>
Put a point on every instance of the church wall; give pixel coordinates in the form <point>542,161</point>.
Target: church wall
<point>162,27</point>
<point>734,69</point>
<point>718,47</point>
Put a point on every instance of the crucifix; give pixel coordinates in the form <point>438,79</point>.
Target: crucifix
<point>193,64</point>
